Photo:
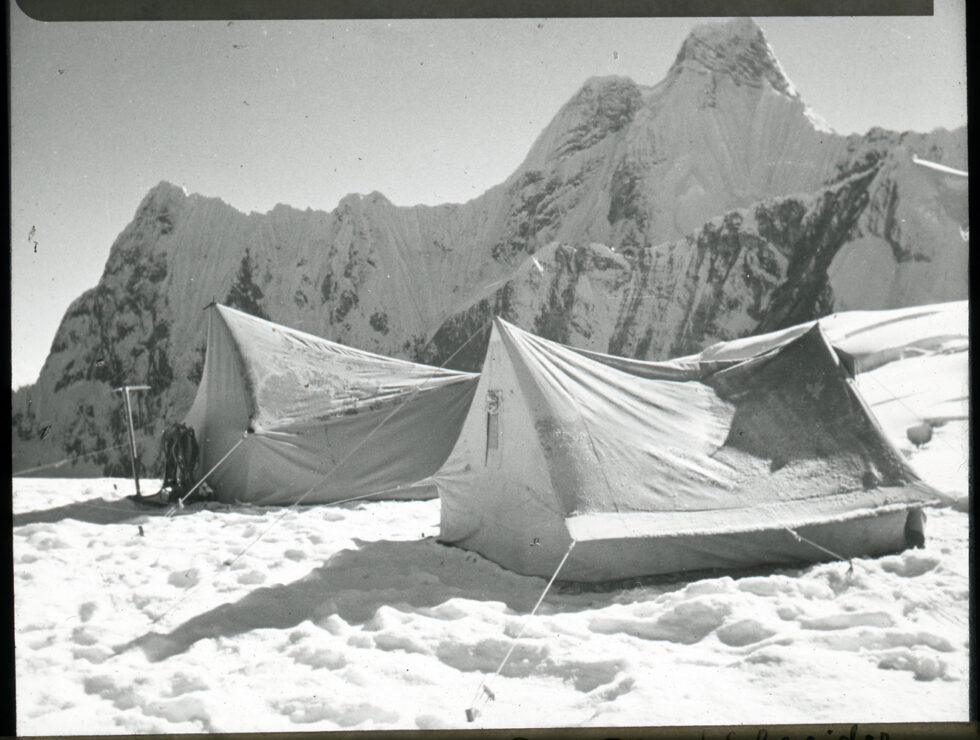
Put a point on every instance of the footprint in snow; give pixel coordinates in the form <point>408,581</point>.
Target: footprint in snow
<point>251,578</point>
<point>82,636</point>
<point>184,578</point>
<point>617,690</point>
<point>843,621</point>
<point>909,565</point>
<point>95,654</point>
<point>744,632</point>
<point>923,666</point>
<point>182,683</point>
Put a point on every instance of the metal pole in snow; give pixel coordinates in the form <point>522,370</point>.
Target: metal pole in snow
<point>132,435</point>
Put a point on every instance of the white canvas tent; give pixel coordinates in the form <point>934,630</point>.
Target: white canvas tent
<point>871,338</point>
<point>911,364</point>
<point>311,412</point>
<point>667,467</point>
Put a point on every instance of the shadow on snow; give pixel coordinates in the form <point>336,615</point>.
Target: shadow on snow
<point>410,576</point>
<point>95,511</point>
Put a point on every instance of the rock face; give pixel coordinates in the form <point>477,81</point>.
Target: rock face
<point>645,221</point>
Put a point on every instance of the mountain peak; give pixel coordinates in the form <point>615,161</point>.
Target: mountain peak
<point>165,189</point>
<point>604,83</point>
<point>738,49</point>
<point>162,196</point>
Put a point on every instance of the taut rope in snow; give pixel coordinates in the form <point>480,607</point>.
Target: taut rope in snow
<point>483,693</point>
<point>355,448</point>
<point>801,538</point>
<point>180,501</point>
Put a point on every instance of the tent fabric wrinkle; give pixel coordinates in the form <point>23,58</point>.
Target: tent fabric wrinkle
<point>669,429</point>
<point>283,365</point>
<point>659,471</point>
<point>326,422</point>
<point>682,368</point>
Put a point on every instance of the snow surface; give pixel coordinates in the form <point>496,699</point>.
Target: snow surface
<point>354,617</point>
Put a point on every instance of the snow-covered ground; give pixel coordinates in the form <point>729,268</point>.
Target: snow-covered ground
<point>354,617</point>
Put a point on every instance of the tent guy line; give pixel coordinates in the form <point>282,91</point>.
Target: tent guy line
<point>801,538</point>
<point>483,693</point>
<point>182,499</point>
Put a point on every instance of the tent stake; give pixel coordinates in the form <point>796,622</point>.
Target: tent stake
<point>132,435</point>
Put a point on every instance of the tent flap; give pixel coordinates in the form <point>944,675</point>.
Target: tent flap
<point>780,514</point>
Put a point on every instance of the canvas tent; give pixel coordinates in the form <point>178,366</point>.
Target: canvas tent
<point>310,409</point>
<point>871,338</point>
<point>929,384</point>
<point>666,467</point>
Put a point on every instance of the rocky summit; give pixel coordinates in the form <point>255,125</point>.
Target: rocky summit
<point>644,221</point>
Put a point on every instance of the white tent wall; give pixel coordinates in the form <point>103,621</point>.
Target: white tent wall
<point>612,559</point>
<point>221,409</point>
<point>388,452</point>
<point>520,522</point>
<point>599,426</point>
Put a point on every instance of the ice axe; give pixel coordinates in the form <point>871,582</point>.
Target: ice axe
<point>132,435</point>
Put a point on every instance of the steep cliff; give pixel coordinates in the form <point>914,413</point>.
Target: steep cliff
<point>645,221</point>
<point>750,270</point>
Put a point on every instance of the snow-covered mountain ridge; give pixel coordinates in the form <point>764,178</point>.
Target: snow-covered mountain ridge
<point>659,219</point>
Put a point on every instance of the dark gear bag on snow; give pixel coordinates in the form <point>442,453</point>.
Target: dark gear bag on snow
<point>180,460</point>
